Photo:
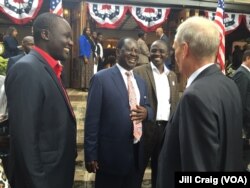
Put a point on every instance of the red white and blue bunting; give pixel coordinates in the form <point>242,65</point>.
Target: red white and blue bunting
<point>111,15</point>
<point>231,20</point>
<point>149,18</point>
<point>247,16</point>
<point>20,11</point>
<point>107,15</point>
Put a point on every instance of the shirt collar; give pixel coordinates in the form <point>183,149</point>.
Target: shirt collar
<point>154,68</point>
<point>245,67</point>
<point>55,65</point>
<point>196,73</point>
<point>123,71</point>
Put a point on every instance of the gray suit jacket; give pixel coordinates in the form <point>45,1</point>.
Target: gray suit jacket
<point>242,80</point>
<point>204,133</point>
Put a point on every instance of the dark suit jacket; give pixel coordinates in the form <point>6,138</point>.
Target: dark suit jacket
<point>204,134</point>
<point>10,45</point>
<point>242,80</point>
<point>13,60</point>
<point>42,126</point>
<point>165,38</point>
<point>108,127</point>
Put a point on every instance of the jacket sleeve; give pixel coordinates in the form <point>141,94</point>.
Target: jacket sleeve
<point>92,119</point>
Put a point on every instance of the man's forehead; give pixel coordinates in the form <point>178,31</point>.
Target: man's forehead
<point>130,42</point>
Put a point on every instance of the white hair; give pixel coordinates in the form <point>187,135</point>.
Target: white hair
<point>201,35</point>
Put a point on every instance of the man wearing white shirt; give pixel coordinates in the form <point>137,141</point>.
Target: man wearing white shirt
<point>99,52</point>
<point>242,80</point>
<point>204,133</point>
<point>163,97</point>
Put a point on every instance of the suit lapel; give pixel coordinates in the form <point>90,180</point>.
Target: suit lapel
<point>149,72</point>
<point>57,82</point>
<point>119,82</point>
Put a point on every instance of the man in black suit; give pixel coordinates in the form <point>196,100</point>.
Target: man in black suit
<point>204,133</point>
<point>111,150</point>
<point>42,123</point>
<point>242,79</point>
<point>27,44</point>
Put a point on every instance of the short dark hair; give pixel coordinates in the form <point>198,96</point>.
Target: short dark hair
<point>10,30</point>
<point>141,34</point>
<point>245,55</point>
<point>120,43</point>
<point>44,21</point>
<point>99,33</point>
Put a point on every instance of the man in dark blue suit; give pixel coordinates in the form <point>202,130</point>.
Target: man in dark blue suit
<point>27,44</point>
<point>110,150</point>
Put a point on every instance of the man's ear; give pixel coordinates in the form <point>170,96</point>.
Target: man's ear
<point>45,34</point>
<point>185,51</point>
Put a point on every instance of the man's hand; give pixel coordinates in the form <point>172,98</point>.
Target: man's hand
<point>139,114</point>
<point>92,166</point>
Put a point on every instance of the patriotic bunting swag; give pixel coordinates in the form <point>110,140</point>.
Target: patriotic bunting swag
<point>107,15</point>
<point>149,18</point>
<point>248,21</point>
<point>231,20</point>
<point>111,15</point>
<point>20,11</point>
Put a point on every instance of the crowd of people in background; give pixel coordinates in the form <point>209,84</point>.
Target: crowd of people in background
<point>135,116</point>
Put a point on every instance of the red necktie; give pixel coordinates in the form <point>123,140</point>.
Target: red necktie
<point>137,132</point>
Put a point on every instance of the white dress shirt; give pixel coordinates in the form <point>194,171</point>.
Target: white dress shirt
<point>125,78</point>
<point>245,67</point>
<point>196,73</point>
<point>162,93</point>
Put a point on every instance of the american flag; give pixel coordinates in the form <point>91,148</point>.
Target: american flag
<point>219,21</point>
<point>56,7</point>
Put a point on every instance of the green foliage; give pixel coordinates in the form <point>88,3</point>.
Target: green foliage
<point>3,65</point>
<point>229,70</point>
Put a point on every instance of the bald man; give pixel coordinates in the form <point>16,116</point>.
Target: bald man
<point>160,34</point>
<point>27,44</point>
